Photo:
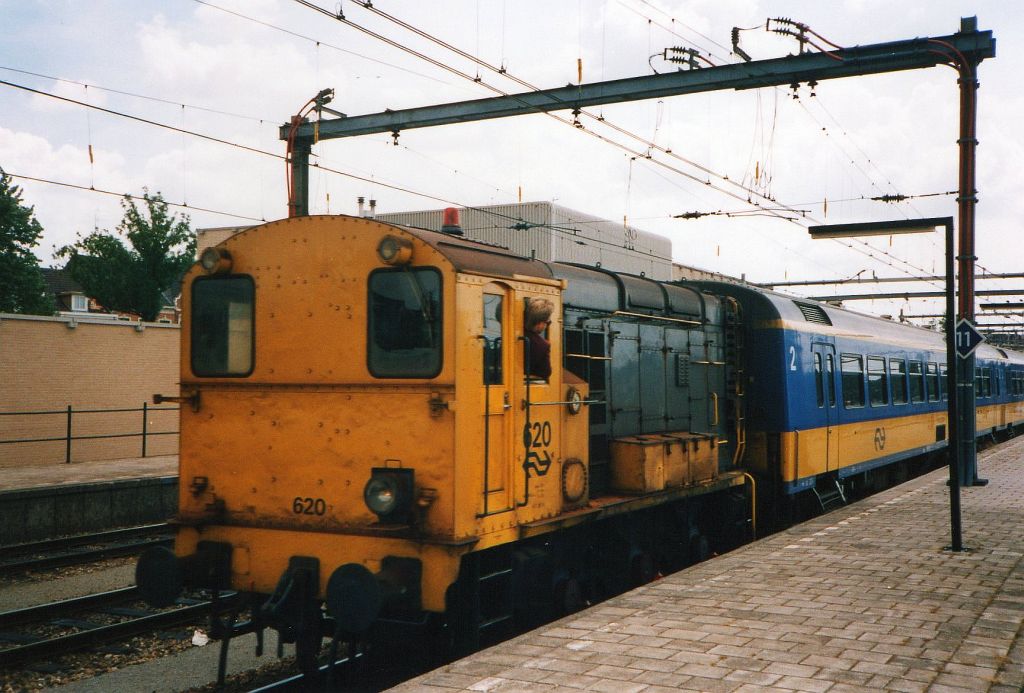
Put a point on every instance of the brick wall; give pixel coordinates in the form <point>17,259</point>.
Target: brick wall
<point>46,365</point>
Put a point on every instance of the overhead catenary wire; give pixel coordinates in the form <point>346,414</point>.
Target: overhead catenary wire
<point>255,150</point>
<point>801,102</point>
<point>502,71</point>
<point>123,195</point>
<point>322,159</point>
<point>505,73</point>
<point>575,124</point>
<point>274,27</point>
<point>368,5</point>
<point>136,95</point>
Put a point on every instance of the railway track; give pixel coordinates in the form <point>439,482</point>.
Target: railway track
<point>82,548</point>
<point>328,677</point>
<point>56,628</point>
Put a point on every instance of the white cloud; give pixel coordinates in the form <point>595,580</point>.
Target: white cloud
<point>899,128</point>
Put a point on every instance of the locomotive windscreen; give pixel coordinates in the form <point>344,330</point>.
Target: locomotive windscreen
<point>405,323</point>
<point>222,326</point>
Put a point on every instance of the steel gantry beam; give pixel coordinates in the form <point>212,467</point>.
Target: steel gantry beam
<point>871,59</point>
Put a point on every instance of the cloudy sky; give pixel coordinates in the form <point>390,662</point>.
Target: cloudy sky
<point>236,69</point>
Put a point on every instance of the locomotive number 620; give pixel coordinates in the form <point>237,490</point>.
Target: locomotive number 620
<point>309,506</point>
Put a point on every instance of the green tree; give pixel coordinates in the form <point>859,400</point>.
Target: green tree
<point>22,289</point>
<point>131,278</point>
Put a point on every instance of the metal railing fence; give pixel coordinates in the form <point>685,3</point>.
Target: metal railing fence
<point>68,436</point>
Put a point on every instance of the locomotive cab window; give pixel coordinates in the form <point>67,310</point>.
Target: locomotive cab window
<point>404,330</point>
<point>222,326</point>
<point>852,367</point>
<point>493,305</point>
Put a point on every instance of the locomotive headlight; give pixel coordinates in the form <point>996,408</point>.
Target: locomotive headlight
<point>215,260</point>
<point>388,494</point>
<point>394,250</point>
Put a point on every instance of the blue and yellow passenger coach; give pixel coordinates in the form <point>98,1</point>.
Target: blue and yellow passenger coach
<point>833,395</point>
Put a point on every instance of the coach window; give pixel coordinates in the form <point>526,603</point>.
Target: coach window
<point>995,381</point>
<point>916,382</point>
<point>943,375</point>
<point>981,382</point>
<point>830,372</point>
<point>852,366</point>
<point>404,339</point>
<point>222,326</point>
<point>819,387</point>
<point>492,339</point>
<point>932,376</point>
<point>898,371</point>
<point>878,388</point>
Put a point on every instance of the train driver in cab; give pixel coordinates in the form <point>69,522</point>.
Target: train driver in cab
<point>538,349</point>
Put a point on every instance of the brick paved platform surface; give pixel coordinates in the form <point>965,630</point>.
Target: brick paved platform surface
<point>88,472</point>
<point>862,599</point>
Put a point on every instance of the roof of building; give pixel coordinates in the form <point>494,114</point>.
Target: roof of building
<point>59,281</point>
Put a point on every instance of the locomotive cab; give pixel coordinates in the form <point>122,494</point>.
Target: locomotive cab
<point>356,418</point>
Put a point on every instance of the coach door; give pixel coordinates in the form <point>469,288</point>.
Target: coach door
<point>824,367</point>
<point>498,351</point>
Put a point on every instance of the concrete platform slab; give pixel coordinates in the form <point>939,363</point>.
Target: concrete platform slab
<point>65,499</point>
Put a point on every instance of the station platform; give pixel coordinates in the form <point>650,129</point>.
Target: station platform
<point>44,501</point>
<point>864,598</point>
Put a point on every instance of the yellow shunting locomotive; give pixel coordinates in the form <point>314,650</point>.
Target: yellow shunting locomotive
<point>360,443</point>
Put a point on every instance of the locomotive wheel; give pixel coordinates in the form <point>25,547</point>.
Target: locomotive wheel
<point>641,569</point>
<point>567,596</point>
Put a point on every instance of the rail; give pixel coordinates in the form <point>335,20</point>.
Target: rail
<point>90,634</point>
<point>68,437</point>
<point>82,548</point>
